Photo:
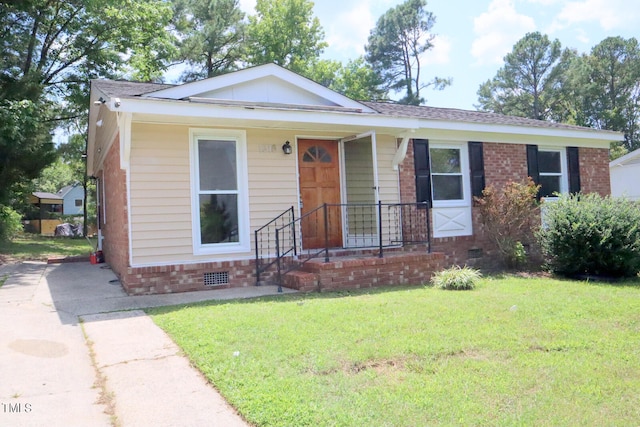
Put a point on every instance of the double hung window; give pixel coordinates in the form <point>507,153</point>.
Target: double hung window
<point>219,182</point>
<point>552,172</point>
<point>446,174</point>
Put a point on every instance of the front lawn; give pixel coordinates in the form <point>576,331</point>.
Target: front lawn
<point>515,351</point>
<point>40,248</point>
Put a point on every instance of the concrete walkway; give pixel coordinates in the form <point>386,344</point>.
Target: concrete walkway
<point>75,350</point>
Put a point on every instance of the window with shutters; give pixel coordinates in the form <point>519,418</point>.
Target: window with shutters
<point>446,174</point>
<point>442,173</point>
<point>552,172</point>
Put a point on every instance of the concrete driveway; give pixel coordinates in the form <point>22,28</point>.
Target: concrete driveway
<point>75,350</point>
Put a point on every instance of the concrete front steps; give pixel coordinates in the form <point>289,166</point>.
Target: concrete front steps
<point>365,271</point>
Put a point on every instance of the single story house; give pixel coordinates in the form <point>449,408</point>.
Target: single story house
<point>214,182</point>
<point>72,199</point>
<point>625,176</point>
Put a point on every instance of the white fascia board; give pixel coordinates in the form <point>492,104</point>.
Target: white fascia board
<point>626,158</point>
<point>124,126</point>
<point>516,135</point>
<point>202,86</point>
<point>589,134</point>
<point>258,114</point>
<point>423,128</point>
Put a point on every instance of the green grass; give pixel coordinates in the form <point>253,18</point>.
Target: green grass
<point>514,351</point>
<point>36,247</point>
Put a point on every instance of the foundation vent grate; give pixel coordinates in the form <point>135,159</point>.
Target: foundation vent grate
<point>216,279</point>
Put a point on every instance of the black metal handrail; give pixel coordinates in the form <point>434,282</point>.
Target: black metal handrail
<point>263,239</point>
<point>367,225</point>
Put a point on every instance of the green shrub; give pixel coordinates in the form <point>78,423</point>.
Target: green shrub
<point>10,223</point>
<point>591,235</point>
<point>456,278</point>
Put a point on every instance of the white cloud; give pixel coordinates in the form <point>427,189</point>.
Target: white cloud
<point>609,14</point>
<point>348,31</point>
<point>497,30</point>
<point>582,36</point>
<point>440,53</point>
<point>545,2</point>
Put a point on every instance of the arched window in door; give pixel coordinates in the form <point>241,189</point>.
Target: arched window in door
<point>316,154</point>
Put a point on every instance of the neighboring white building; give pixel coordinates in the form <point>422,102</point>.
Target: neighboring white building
<point>625,176</point>
<point>73,199</point>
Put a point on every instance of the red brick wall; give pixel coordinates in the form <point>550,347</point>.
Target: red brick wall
<point>594,171</point>
<point>115,231</point>
<point>358,273</point>
<point>407,173</point>
<point>503,163</point>
<point>187,277</point>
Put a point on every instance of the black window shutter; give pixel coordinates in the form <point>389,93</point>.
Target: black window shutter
<point>422,170</point>
<point>532,163</point>
<point>573,162</point>
<point>476,165</point>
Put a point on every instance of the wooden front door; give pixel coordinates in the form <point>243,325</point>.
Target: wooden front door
<point>320,183</point>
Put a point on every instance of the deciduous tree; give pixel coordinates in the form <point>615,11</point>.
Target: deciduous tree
<point>284,32</point>
<point>356,79</point>
<point>49,50</point>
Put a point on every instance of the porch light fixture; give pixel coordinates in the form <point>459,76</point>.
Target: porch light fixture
<point>286,148</point>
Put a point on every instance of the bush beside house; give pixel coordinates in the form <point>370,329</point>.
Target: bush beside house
<point>591,235</point>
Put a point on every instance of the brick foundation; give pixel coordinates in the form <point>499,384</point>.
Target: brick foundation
<point>187,277</point>
<point>399,268</point>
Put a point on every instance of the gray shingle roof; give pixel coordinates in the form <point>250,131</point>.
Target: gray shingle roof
<point>119,88</point>
<point>123,88</point>
<point>457,115</point>
<point>43,195</point>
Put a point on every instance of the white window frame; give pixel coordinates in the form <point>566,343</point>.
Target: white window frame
<point>564,172</point>
<point>464,171</point>
<point>240,138</point>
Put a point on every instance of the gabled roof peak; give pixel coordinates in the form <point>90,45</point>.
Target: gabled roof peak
<point>267,83</point>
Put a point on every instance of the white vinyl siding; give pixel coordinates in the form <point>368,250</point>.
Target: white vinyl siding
<point>160,191</point>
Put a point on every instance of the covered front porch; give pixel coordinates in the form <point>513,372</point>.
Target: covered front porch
<point>382,244</point>
<point>351,228</point>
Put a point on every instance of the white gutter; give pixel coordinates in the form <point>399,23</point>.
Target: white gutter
<point>372,121</point>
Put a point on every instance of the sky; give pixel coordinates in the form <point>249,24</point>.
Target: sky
<point>473,36</point>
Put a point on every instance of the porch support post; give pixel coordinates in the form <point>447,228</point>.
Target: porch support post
<point>401,153</point>
<point>293,231</point>
<point>380,228</point>
<point>326,232</point>
<point>278,260</point>
<point>255,233</point>
<point>428,211</point>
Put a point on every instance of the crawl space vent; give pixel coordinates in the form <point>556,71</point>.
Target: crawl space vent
<point>216,279</point>
<point>475,253</point>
